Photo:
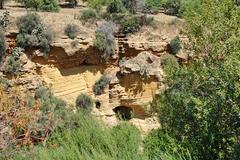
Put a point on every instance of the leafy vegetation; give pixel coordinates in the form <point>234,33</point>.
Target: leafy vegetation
<point>84,102</point>
<point>4,19</point>
<point>33,33</point>
<point>116,6</point>
<point>13,64</point>
<point>175,45</point>
<point>44,5</point>
<point>71,30</point>
<point>159,145</point>
<point>100,85</point>
<point>105,40</point>
<point>200,107</point>
<point>88,15</point>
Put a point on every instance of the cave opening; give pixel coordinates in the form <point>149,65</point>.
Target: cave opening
<point>98,104</point>
<point>123,112</point>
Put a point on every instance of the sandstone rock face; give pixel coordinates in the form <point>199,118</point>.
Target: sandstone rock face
<point>73,66</point>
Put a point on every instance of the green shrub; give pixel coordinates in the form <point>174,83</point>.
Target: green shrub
<point>84,102</point>
<point>32,33</point>
<point>154,5</point>
<point>172,6</point>
<point>105,40</point>
<point>175,45</point>
<point>44,5</point>
<point>169,63</point>
<point>100,85</point>
<point>130,5</point>
<point>130,25</point>
<point>4,19</point>
<point>116,6</point>
<point>50,6</point>
<point>128,138</point>
<point>71,30</point>
<point>13,65</point>
<point>159,145</point>
<point>2,45</point>
<point>88,15</point>
<point>49,103</point>
<point>97,4</point>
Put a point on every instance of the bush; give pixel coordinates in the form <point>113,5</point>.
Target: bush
<point>175,45</point>
<point>105,40</point>
<point>4,19</point>
<point>2,45</point>
<point>130,5</point>
<point>71,30</point>
<point>154,5</point>
<point>169,63</point>
<point>84,102</point>
<point>100,85</point>
<point>116,6</point>
<point>44,5</point>
<point>49,103</point>
<point>97,4</point>
<point>131,25</point>
<point>88,15</point>
<point>13,66</point>
<point>32,33</point>
<point>172,6</point>
<point>50,6</point>
<point>159,145</point>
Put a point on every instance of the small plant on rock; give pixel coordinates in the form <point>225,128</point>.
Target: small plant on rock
<point>84,102</point>
<point>71,30</point>
<point>100,85</point>
<point>175,45</point>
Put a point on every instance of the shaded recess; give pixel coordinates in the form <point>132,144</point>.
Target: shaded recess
<point>123,112</point>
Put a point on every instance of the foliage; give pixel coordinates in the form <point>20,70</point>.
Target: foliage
<point>28,122</point>
<point>130,5</point>
<point>105,40</point>
<point>172,7</point>
<point>84,137</point>
<point>88,15</point>
<point>100,85</point>
<point>116,6</point>
<point>50,6</point>
<point>131,25</point>
<point>2,44</point>
<point>97,4</point>
<point>200,107</point>
<point>159,145</point>
<point>13,66</point>
<point>44,5</point>
<point>175,45</point>
<point>32,33</point>
<point>84,102</point>
<point>71,30</point>
<point>169,64</point>
<point>154,5</point>
<point>4,19</point>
